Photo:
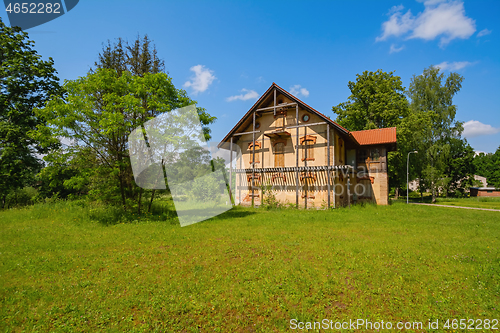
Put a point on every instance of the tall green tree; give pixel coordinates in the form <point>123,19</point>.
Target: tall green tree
<point>98,114</point>
<point>377,100</point>
<point>26,82</point>
<point>127,87</point>
<point>459,168</point>
<point>432,93</point>
<point>140,58</point>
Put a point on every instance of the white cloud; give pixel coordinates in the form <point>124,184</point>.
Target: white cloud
<point>395,49</point>
<point>397,24</point>
<point>297,90</point>
<point>474,128</point>
<point>203,77</point>
<point>453,66</point>
<point>249,94</point>
<point>483,32</point>
<point>445,19</point>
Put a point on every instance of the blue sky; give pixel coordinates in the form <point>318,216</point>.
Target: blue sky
<point>226,54</point>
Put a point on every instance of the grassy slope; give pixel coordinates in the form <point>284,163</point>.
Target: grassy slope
<point>246,270</point>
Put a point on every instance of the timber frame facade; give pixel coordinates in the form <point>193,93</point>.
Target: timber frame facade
<point>304,157</point>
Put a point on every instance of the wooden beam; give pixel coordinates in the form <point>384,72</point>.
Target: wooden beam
<point>308,125</point>
<point>328,162</point>
<point>306,185</point>
<point>254,131</point>
<point>275,102</point>
<point>253,160</point>
<point>349,190</point>
<point>231,170</point>
<point>300,169</point>
<point>297,158</point>
<point>278,106</point>
<point>239,179</point>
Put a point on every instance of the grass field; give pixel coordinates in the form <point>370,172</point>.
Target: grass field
<point>64,269</point>
<point>477,202</point>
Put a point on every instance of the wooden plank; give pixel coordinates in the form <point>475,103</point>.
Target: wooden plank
<point>349,190</point>
<point>300,169</point>
<point>308,125</point>
<point>297,158</point>
<point>328,162</point>
<point>306,183</point>
<point>253,159</point>
<point>277,106</point>
<point>275,102</point>
<point>231,170</point>
<point>253,132</point>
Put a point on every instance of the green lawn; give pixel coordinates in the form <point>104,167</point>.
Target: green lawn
<point>477,202</point>
<point>246,270</point>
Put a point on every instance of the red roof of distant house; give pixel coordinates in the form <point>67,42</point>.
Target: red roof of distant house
<point>375,136</point>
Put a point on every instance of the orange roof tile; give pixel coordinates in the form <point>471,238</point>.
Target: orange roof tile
<point>375,136</point>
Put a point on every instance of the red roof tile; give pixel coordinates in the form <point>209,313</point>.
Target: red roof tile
<point>375,136</point>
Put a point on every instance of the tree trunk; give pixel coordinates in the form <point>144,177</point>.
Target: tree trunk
<point>433,193</point>
<point>139,202</point>
<point>396,193</point>
<point>122,191</point>
<point>151,202</point>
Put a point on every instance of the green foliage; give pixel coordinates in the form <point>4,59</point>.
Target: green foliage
<point>21,197</point>
<point>207,188</point>
<point>26,82</point>
<point>459,167</point>
<point>139,59</point>
<point>55,177</point>
<point>427,125</point>
<point>269,200</point>
<point>99,112</point>
<point>488,165</point>
<point>431,96</point>
<point>377,101</point>
<point>127,88</point>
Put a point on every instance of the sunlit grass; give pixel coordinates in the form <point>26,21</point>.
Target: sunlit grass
<point>477,202</point>
<point>64,268</point>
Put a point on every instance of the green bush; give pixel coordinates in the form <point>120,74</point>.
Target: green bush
<point>207,188</point>
<point>21,197</point>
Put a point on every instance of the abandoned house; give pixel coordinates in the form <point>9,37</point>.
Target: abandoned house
<point>302,157</point>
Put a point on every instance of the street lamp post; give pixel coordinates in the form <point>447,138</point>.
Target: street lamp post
<point>408,173</point>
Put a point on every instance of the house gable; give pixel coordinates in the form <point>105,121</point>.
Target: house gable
<point>285,142</point>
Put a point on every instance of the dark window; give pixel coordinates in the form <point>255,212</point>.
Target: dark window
<point>375,154</point>
<point>362,156</point>
<point>305,118</point>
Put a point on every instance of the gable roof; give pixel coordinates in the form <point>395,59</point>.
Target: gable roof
<point>293,98</point>
<point>366,137</point>
<point>375,136</point>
